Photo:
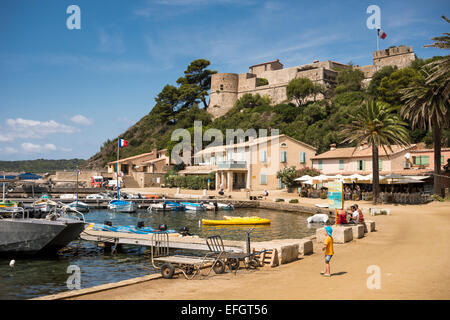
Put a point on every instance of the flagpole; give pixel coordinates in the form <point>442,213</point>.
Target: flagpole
<point>378,39</point>
<point>117,169</point>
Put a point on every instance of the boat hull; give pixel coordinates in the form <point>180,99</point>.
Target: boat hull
<point>237,221</point>
<point>27,236</point>
<point>122,206</point>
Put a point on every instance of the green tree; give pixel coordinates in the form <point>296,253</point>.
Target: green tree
<point>299,89</point>
<point>389,88</point>
<point>196,82</point>
<point>426,106</point>
<point>386,71</point>
<point>349,79</point>
<point>287,176</point>
<point>377,125</point>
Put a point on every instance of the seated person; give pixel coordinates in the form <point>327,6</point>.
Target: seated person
<point>265,194</point>
<point>360,214</point>
<point>355,215</point>
<point>341,216</point>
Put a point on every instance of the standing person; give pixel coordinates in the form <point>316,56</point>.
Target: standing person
<point>329,252</point>
<point>221,189</point>
<point>265,194</point>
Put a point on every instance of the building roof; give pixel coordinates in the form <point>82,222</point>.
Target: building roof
<point>270,62</point>
<point>249,143</point>
<point>155,160</point>
<point>198,169</point>
<point>132,158</point>
<point>342,153</point>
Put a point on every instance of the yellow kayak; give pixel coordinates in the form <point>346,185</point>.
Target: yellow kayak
<point>237,220</point>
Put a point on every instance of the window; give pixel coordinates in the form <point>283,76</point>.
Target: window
<point>265,67</point>
<point>320,164</point>
<point>263,178</point>
<point>442,159</point>
<point>302,157</point>
<point>283,156</point>
<point>263,156</point>
<point>221,87</point>
<point>283,144</point>
<point>421,160</point>
<point>361,165</point>
<point>341,164</point>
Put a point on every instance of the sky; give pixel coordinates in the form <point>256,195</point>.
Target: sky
<point>64,92</point>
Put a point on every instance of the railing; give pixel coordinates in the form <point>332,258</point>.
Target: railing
<point>232,165</point>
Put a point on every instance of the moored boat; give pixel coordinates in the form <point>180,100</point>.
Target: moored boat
<point>122,206</point>
<point>237,221</point>
<point>78,206</point>
<point>224,206</point>
<point>193,206</point>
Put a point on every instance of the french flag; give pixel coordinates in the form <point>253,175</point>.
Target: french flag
<point>382,34</point>
<point>122,143</point>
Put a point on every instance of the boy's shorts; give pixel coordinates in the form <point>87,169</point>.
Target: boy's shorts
<point>327,259</point>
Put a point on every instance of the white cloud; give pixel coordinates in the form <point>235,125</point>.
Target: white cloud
<point>24,129</point>
<point>29,147</point>
<point>8,150</point>
<point>80,119</point>
<point>111,42</point>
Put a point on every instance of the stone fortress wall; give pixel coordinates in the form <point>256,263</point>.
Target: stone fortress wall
<point>227,88</point>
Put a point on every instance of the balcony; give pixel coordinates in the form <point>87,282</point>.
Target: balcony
<point>232,165</point>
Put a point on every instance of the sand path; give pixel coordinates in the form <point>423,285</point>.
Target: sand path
<point>411,248</point>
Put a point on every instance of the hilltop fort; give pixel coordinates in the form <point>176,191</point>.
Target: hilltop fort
<point>270,78</point>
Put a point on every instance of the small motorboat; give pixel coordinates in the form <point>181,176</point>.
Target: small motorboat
<point>223,206</point>
<point>122,206</point>
<point>166,206</point>
<point>43,204</point>
<point>126,229</point>
<point>193,206</point>
<point>319,217</point>
<point>237,221</point>
<point>78,206</point>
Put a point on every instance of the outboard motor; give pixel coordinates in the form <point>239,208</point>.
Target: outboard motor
<point>184,231</point>
<point>162,227</point>
<point>108,223</point>
<point>215,206</point>
<point>140,224</point>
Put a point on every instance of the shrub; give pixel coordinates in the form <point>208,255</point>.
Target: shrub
<point>293,201</point>
<point>279,200</point>
<point>437,197</point>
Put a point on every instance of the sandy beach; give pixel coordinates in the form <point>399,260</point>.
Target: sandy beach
<point>410,248</point>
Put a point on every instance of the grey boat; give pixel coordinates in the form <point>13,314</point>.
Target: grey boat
<point>21,234</point>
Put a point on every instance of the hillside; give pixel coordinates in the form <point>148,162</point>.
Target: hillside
<point>314,122</point>
<point>40,165</point>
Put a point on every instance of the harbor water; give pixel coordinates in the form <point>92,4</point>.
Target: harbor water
<point>34,277</point>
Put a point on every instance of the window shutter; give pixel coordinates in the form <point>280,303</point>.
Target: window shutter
<point>363,165</point>
<point>302,157</point>
<point>341,164</point>
<point>380,165</point>
<point>263,179</point>
<point>283,156</point>
<point>320,164</point>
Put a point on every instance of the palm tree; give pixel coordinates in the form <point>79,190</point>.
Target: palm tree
<point>378,125</point>
<point>441,68</point>
<point>426,107</point>
<point>427,101</point>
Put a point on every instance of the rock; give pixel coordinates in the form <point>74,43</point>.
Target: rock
<point>341,234</point>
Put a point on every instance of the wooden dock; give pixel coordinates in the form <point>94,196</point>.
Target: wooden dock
<point>176,241</point>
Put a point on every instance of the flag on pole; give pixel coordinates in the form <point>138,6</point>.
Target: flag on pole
<point>382,34</point>
<point>122,143</point>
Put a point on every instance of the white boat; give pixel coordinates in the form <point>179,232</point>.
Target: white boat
<point>317,218</point>
<point>68,197</point>
<point>122,206</point>
<point>98,196</point>
<point>223,206</point>
<point>209,206</point>
<point>78,206</point>
<point>193,206</point>
<point>42,204</point>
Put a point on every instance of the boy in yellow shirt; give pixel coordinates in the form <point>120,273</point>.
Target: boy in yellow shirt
<point>328,248</point>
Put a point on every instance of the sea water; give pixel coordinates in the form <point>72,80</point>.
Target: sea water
<point>34,277</point>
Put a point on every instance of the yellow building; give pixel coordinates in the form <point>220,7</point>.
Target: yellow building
<point>252,165</point>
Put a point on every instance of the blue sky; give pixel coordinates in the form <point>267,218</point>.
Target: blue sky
<point>64,92</point>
